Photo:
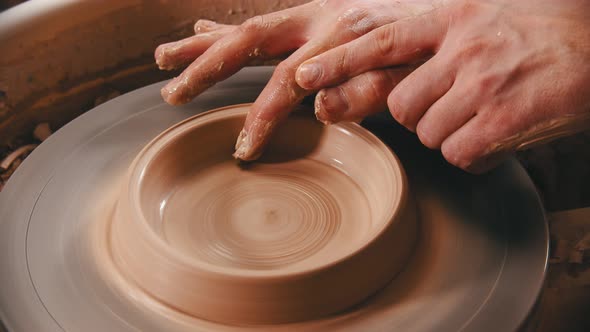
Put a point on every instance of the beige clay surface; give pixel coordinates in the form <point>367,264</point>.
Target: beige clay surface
<point>302,233</point>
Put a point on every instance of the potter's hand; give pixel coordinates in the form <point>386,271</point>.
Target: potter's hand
<point>304,31</point>
<point>504,74</point>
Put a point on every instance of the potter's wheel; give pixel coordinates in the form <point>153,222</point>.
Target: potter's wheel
<point>479,265</point>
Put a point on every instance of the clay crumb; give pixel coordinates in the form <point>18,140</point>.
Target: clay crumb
<point>19,153</point>
<point>240,139</point>
<point>15,153</point>
<point>42,131</point>
<point>254,53</point>
<point>243,145</point>
<point>319,100</point>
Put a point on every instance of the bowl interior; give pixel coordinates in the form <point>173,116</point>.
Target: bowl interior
<point>318,194</point>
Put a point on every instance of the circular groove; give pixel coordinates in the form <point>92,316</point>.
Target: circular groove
<point>289,218</point>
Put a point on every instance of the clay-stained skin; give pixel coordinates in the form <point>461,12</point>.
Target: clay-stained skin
<point>462,100</point>
<point>542,133</point>
<point>319,101</point>
<point>305,31</point>
<point>247,142</point>
<point>499,75</point>
<point>175,55</point>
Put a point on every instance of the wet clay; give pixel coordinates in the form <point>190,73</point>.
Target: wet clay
<point>304,232</point>
<point>269,216</point>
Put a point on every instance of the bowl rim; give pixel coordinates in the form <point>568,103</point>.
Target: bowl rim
<point>144,159</point>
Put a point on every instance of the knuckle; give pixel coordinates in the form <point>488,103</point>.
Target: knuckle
<point>284,76</point>
<point>464,10</point>
<point>351,16</point>
<point>342,61</point>
<point>376,84</point>
<point>286,70</point>
<point>471,49</point>
<point>384,40</point>
<point>479,87</point>
<point>358,20</point>
<point>331,4</point>
<point>488,84</point>
<point>253,26</point>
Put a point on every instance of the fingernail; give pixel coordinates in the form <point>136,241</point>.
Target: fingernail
<point>330,105</point>
<point>308,74</point>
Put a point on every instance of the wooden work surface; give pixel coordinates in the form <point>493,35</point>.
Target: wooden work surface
<point>565,302</point>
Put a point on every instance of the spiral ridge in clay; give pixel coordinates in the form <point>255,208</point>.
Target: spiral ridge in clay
<point>263,221</point>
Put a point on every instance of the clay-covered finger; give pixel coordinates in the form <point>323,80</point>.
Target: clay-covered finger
<point>282,92</point>
<point>446,116</point>
<point>204,26</point>
<point>402,42</point>
<point>272,106</point>
<point>265,36</point>
<point>279,97</point>
<point>358,97</point>
<point>276,101</point>
<point>415,94</point>
<point>180,53</point>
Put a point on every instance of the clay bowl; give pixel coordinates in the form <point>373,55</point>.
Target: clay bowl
<point>318,224</point>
